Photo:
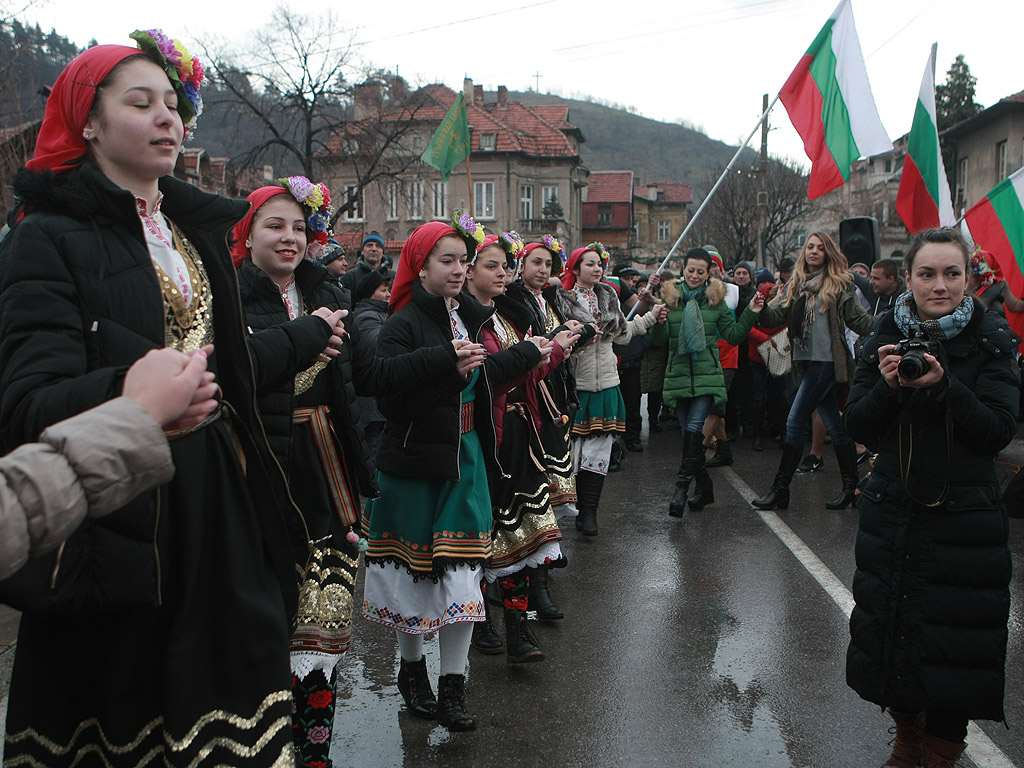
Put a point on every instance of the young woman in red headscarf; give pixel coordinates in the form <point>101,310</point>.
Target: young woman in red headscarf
<point>171,615</point>
<point>526,534</point>
<point>429,532</point>
<point>601,414</point>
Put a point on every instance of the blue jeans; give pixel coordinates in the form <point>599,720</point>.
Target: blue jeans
<point>692,412</point>
<point>817,390</point>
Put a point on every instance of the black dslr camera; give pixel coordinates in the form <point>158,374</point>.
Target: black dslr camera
<point>913,364</point>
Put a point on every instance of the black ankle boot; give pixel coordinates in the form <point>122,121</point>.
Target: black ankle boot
<point>539,598</point>
<point>588,496</point>
<point>520,643</point>
<point>451,703</point>
<point>414,685</point>
<point>778,496</point>
<point>692,446</point>
<point>846,457</point>
<point>723,454</point>
<point>704,488</point>
<point>485,638</point>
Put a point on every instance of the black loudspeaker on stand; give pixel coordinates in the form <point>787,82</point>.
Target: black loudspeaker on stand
<point>858,240</point>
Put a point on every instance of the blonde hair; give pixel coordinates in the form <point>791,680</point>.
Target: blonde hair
<point>834,281</point>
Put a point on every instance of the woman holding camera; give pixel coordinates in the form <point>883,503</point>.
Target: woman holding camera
<point>936,392</point>
<point>818,303</point>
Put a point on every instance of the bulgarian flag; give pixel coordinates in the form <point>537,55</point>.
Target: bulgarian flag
<point>997,225</point>
<point>829,100</point>
<point>923,201</point>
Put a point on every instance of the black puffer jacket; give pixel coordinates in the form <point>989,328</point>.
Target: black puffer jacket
<point>929,628</point>
<point>79,303</point>
<point>422,435</point>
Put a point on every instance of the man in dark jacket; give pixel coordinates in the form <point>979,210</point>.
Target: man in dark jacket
<point>883,287</point>
<point>371,257</point>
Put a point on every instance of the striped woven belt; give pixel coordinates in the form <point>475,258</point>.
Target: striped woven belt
<point>466,418</point>
<point>334,471</point>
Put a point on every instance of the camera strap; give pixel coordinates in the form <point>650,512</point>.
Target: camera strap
<point>905,427</point>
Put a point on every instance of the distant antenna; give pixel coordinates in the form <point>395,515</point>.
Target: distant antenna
<point>537,76</point>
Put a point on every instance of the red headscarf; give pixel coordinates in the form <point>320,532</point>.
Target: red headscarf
<point>489,240</point>
<point>414,253</point>
<point>60,146</point>
<point>240,233</point>
<point>568,275</point>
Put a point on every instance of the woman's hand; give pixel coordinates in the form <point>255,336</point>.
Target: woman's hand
<point>573,325</point>
<point>660,313</point>
<point>334,319</point>
<point>757,302</point>
<point>930,378</point>
<point>469,356</point>
<point>888,364</point>
<point>176,389</point>
<point>545,345</point>
<point>566,339</point>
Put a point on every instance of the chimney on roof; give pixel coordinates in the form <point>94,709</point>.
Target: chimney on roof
<point>399,89</point>
<point>467,90</point>
<point>502,96</point>
<point>478,94</point>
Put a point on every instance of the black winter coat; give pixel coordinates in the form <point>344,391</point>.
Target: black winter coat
<point>422,435</point>
<point>929,628</point>
<point>79,303</point>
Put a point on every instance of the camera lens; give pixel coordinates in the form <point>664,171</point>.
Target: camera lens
<point>913,365</point>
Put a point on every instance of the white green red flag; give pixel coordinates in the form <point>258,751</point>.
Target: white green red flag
<point>923,200</point>
<point>997,225</point>
<point>829,100</point>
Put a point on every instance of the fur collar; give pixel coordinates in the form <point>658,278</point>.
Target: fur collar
<point>670,292</point>
<point>613,322</point>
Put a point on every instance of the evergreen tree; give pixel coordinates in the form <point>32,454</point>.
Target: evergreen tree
<point>954,100</point>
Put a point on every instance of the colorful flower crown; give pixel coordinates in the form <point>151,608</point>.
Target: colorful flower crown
<point>184,70</point>
<point>468,229</point>
<point>316,198</point>
<point>512,244</point>
<point>554,245</point>
<point>602,253</point>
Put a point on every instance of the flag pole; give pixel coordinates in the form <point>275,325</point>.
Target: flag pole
<point>469,180</point>
<point>707,198</point>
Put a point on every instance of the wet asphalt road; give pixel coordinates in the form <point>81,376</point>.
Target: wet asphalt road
<point>696,642</point>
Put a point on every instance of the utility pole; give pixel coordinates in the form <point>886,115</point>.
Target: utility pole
<point>537,76</point>
<point>762,195</point>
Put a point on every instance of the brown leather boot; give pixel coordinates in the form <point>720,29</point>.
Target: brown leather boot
<point>939,753</point>
<point>908,741</point>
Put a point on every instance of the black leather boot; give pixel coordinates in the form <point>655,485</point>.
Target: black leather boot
<point>521,644</point>
<point>540,597</point>
<point>691,445</point>
<point>451,703</point>
<point>588,496</point>
<point>778,496</point>
<point>846,457</point>
<point>723,454</point>
<point>704,489</point>
<point>414,685</point>
<point>485,638</point>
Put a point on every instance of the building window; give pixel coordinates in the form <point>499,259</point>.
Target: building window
<point>392,202</point>
<point>664,231</point>
<point>1001,161</point>
<point>525,201</point>
<point>547,195</point>
<point>483,199</point>
<point>961,185</point>
<point>417,143</point>
<point>604,215</point>
<point>888,165</point>
<point>355,211</point>
<point>415,200</point>
<point>488,142</point>
<point>440,200</point>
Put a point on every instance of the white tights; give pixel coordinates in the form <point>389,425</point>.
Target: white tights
<point>453,640</point>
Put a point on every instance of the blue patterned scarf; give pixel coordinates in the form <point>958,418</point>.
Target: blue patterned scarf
<point>943,329</point>
<point>692,339</point>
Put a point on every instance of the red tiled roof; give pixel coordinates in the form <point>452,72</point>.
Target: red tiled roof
<point>1019,96</point>
<point>610,187</point>
<point>533,131</point>
<point>673,191</point>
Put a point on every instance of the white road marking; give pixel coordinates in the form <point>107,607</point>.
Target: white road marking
<point>982,751</point>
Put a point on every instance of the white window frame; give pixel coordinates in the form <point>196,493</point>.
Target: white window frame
<point>547,194</point>
<point>394,195</point>
<point>1001,165</point>
<point>526,201</point>
<point>415,201</point>
<point>440,199</point>
<point>483,201</point>
<point>356,213</point>
<point>488,142</point>
<point>664,230</point>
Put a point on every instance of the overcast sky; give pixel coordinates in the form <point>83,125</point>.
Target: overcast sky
<point>706,63</point>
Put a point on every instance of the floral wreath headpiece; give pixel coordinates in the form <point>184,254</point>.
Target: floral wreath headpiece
<point>316,199</point>
<point>469,230</point>
<point>554,245</point>
<point>602,254</point>
<point>184,70</point>
<point>512,244</point>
